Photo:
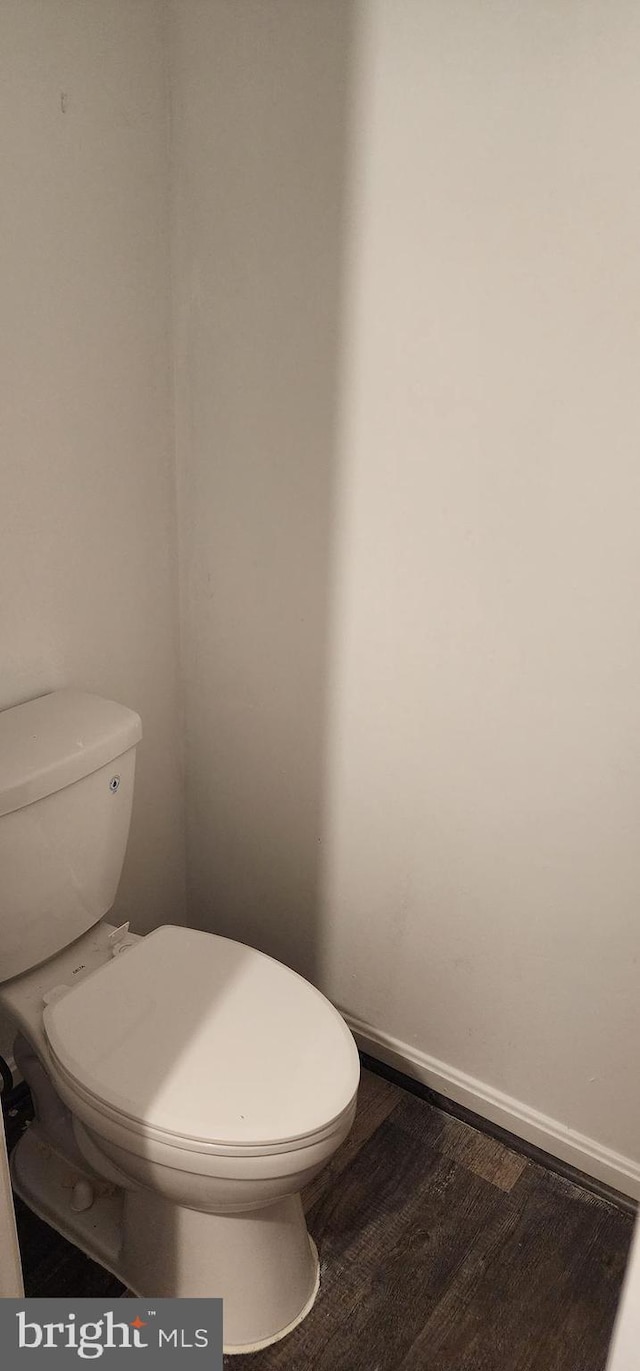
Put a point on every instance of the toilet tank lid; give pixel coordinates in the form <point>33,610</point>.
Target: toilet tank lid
<point>51,742</point>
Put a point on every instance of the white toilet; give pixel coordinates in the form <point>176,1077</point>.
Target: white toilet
<point>186,1086</point>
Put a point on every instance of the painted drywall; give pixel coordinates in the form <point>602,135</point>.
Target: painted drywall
<point>407,352</point>
<point>483,869</point>
<point>258,120</point>
<point>88,581</point>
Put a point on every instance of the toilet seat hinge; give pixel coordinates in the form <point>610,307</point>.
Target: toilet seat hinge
<point>121,939</point>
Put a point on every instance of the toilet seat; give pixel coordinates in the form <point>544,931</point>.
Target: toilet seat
<point>202,1045</point>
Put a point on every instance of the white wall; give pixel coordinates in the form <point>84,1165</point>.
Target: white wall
<point>87,504</point>
<point>482,805</point>
<point>461,750</point>
<point>258,155</point>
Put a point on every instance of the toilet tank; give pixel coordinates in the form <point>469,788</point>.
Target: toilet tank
<point>67,763</point>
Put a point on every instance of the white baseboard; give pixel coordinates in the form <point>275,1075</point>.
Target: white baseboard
<point>581,1152</point>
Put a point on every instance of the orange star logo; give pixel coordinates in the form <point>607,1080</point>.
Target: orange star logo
<point>138,1322</point>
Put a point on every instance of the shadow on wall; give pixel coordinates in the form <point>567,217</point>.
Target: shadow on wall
<point>259,118</point>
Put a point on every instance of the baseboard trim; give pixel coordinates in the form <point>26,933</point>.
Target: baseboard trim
<point>546,1135</point>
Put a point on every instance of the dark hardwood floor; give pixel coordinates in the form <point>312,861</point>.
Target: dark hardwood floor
<point>441,1249</point>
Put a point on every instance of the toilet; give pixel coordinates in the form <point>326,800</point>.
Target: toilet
<point>186,1087</point>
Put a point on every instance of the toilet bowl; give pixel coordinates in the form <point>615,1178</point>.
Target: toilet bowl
<point>186,1087</point>
<point>208,1084</point>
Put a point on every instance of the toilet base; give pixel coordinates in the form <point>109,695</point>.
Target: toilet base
<point>46,1182</point>
<point>262,1262</point>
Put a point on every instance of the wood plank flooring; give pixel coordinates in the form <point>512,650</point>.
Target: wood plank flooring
<point>441,1249</point>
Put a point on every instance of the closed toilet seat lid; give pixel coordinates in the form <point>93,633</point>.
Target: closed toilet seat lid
<point>201,1038</point>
